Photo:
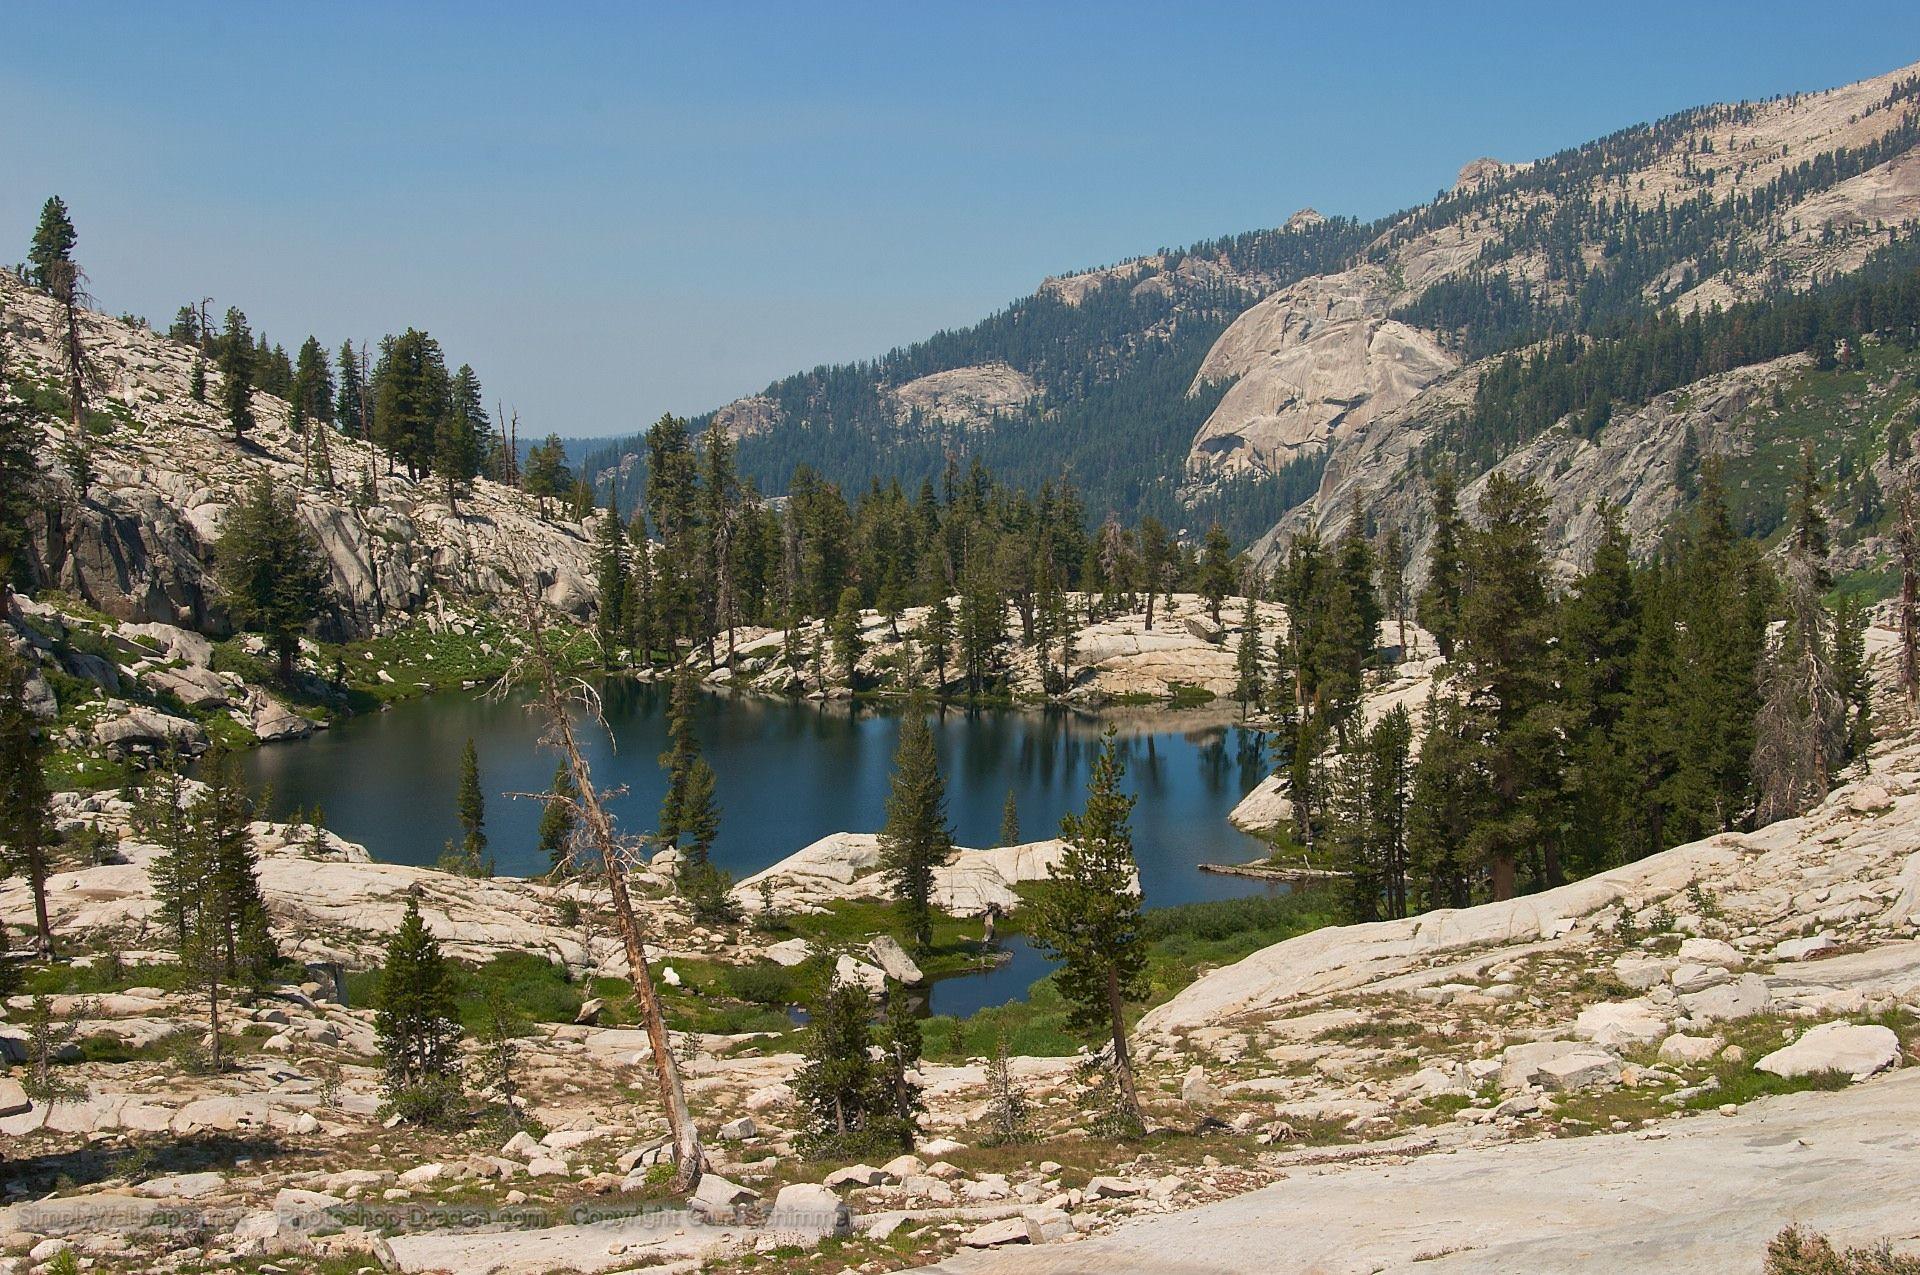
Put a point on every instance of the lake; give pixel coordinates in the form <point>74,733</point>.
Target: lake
<point>789,772</point>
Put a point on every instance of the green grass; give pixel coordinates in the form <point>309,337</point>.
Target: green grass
<point>535,987</point>
<point>1183,942</point>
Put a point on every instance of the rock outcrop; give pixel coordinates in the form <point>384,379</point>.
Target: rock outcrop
<point>139,547</point>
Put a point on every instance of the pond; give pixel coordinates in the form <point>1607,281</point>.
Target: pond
<point>789,772</point>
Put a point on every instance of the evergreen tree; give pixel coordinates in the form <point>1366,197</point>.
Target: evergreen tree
<point>900,1045</point>
<point>1089,919</point>
<point>274,575</point>
<point>26,817</point>
<point>1851,677</point>
<point>351,407</point>
<point>1800,733</point>
<point>936,635</point>
<point>53,241</point>
<point>1507,650</point>
<point>557,821</point>
<point>1246,662</point>
<point>1393,585</point>
<point>20,478</point>
<point>844,1100</point>
<point>1808,514</point>
<point>1156,556</point>
<point>610,563</point>
<point>845,634</point>
<point>917,838</point>
<point>1009,821</point>
<point>412,400</point>
<point>197,383</point>
<point>471,805</point>
<point>683,751</point>
<point>1440,600</point>
<point>236,373</point>
<point>417,1025</point>
<point>1216,570</point>
<point>1008,1111</point>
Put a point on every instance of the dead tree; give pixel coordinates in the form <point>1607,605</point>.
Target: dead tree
<point>557,702</point>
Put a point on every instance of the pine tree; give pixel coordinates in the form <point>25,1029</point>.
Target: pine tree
<point>412,399</point>
<point>557,821</point>
<point>842,1096</point>
<point>1216,570</point>
<point>26,818</point>
<point>610,564</point>
<point>197,383</point>
<point>1851,677</point>
<point>236,372</point>
<point>53,241</point>
<point>1809,518</point>
<point>1907,538</point>
<point>1508,655</point>
<point>471,805</point>
<point>1800,733</point>
<point>20,477</point>
<point>1393,585</point>
<point>936,634</point>
<point>1440,600</point>
<point>1246,663</point>
<point>683,750</point>
<point>1009,821</point>
<point>1156,554</point>
<point>274,575</point>
<point>418,1025</point>
<point>1089,919</point>
<point>917,838</point>
<point>845,634</point>
<point>900,1046</point>
<point>1008,1111</point>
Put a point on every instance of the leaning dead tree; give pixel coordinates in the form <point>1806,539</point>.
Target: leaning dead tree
<point>558,700</point>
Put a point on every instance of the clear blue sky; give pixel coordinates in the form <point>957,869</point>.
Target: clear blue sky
<point>615,211</point>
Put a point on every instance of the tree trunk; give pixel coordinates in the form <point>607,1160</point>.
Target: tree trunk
<point>689,1161</point>
<point>213,1021</point>
<point>1503,877</point>
<point>1122,1062</point>
<point>42,927</point>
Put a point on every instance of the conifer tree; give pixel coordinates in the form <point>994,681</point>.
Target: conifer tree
<point>26,818</point>
<point>1246,662</point>
<point>1089,919</point>
<point>1009,821</point>
<point>197,382</point>
<point>1809,518</point>
<point>1851,677</point>
<point>841,1094</point>
<point>471,805</point>
<point>20,477</point>
<point>1008,1111</point>
<point>845,633</point>
<point>936,634</point>
<point>412,399</point>
<point>1440,600</point>
<point>683,750</point>
<point>1156,554</point>
<point>1907,656</point>
<point>274,575</point>
<point>917,838</point>
<point>557,821</point>
<point>418,1025</point>
<point>236,373</point>
<point>1216,570</point>
<point>1393,585</point>
<point>610,566</point>
<point>53,241</point>
<point>900,1045</point>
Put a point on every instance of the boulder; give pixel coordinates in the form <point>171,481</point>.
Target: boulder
<point>194,687</point>
<point>1689,976</point>
<point>181,1186</point>
<point>1205,629</point>
<point>589,1012</point>
<point>1691,1051</point>
<point>859,974</point>
<point>272,720</point>
<point>1195,1088</point>
<point>1641,972</point>
<point>1617,1023</point>
<point>1579,1071</point>
<point>1742,998</point>
<point>141,729</point>
<point>1520,1064</point>
<point>13,1099</point>
<point>1856,1049</point>
<point>934,1148</point>
<point>1711,952</point>
<point>718,1200</point>
<point>1047,1226</point>
<point>739,1130</point>
<point>1112,1188</point>
<point>1008,1230</point>
<point>1801,949</point>
<point>789,952</point>
<point>809,1209</point>
<point>858,1175</point>
<point>893,960</point>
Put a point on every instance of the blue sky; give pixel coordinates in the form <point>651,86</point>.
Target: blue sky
<point>615,211</point>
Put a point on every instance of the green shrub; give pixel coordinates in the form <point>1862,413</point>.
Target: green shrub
<point>1798,1252</point>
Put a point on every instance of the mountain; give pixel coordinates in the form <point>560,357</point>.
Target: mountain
<point>1269,379</point>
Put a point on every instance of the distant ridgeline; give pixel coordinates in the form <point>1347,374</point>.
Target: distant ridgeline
<point>1580,266</point>
<point>1111,368</point>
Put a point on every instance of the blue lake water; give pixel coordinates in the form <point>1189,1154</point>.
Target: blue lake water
<point>788,773</point>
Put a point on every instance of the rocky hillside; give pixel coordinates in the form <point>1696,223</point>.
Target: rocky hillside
<point>138,546</point>
<point>1318,360</point>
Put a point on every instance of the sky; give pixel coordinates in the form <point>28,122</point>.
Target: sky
<point>615,211</point>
